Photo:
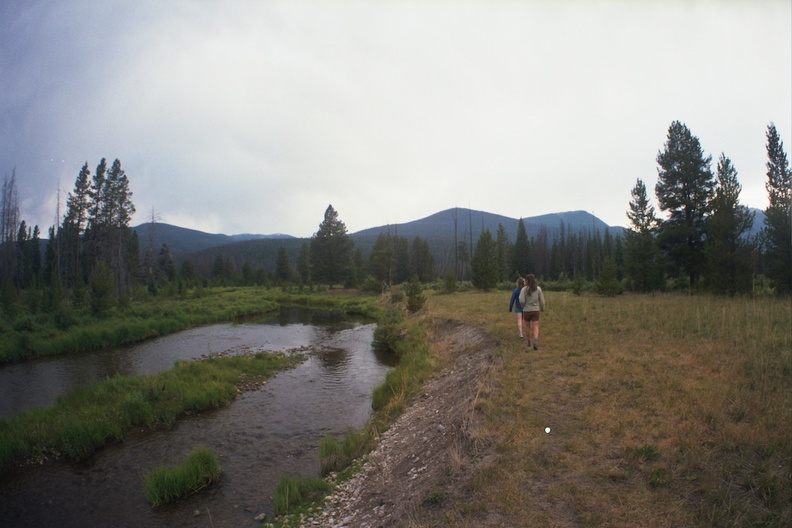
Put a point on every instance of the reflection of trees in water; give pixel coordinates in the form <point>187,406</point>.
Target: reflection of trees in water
<point>331,321</point>
<point>333,359</point>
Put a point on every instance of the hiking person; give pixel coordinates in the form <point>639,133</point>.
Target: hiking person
<point>515,303</point>
<point>533,302</point>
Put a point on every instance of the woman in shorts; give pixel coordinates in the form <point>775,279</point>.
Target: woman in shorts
<point>533,302</point>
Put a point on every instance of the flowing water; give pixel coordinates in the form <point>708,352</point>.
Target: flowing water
<point>263,435</point>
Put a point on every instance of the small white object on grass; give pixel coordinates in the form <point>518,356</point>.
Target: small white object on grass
<point>547,430</point>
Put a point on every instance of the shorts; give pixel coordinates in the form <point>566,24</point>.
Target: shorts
<point>530,316</point>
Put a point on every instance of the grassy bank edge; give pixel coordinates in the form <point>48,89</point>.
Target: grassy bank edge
<point>73,330</point>
<point>340,458</point>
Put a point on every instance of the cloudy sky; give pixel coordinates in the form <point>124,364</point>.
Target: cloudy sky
<point>253,116</point>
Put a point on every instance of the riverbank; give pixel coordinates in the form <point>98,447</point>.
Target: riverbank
<point>430,453</point>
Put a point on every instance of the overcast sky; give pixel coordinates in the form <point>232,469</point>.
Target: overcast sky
<point>252,116</point>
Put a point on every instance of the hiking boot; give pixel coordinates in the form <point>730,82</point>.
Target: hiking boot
<point>536,344</point>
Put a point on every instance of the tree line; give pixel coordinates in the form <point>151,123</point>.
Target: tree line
<point>703,243</point>
<point>94,258</point>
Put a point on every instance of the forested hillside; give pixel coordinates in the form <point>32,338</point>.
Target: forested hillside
<point>442,231</point>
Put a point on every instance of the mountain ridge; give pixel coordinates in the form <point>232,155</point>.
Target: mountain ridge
<point>440,230</point>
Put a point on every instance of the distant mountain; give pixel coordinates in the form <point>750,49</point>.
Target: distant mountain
<point>758,223</point>
<point>442,225</point>
<point>437,229</point>
<point>183,241</point>
<point>248,236</point>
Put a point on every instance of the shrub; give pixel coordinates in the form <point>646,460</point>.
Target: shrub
<point>450,283</point>
<point>414,293</point>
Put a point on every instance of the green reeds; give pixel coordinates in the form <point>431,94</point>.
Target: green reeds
<point>293,493</point>
<point>335,454</point>
<point>169,483</point>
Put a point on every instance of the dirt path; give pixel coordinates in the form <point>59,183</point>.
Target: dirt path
<point>421,469</point>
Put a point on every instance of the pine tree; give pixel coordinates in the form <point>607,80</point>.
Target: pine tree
<point>331,250</point>
<point>503,249</point>
<point>101,287</point>
<point>282,265</point>
<point>606,284</point>
<point>778,215</point>
<point>421,260</point>
<point>684,189</point>
<point>166,266</point>
<point>382,260</point>
<point>485,263</point>
<point>641,253</point>
<point>521,262</point>
<point>728,252</point>
<point>414,293</point>
<point>70,235</point>
<point>304,263</point>
<point>187,272</point>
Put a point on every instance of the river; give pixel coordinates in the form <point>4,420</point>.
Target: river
<point>263,435</point>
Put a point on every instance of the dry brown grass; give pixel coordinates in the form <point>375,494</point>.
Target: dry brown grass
<point>664,410</point>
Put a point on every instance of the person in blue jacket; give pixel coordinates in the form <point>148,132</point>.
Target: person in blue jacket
<point>515,303</point>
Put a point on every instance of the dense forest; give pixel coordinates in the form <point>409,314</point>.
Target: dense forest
<point>94,260</point>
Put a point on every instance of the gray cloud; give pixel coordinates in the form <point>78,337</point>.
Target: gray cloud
<point>252,117</point>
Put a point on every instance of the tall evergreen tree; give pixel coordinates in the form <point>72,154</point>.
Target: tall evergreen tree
<point>521,263</point>
<point>304,263</point>
<point>641,253</point>
<point>503,249</point>
<point>728,251</point>
<point>382,260</point>
<point>485,262</point>
<point>331,250</point>
<point>70,235</point>
<point>187,272</point>
<point>778,215</point>
<point>684,189</point>
<point>421,260</point>
<point>166,265</point>
<point>402,254</point>
<point>282,266</point>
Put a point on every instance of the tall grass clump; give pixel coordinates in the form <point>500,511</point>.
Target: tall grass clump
<point>293,493</point>
<point>168,483</point>
<point>335,454</point>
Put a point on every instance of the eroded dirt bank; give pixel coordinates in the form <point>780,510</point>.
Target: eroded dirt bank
<point>426,461</point>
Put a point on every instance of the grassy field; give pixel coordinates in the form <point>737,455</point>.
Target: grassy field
<point>664,410</point>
